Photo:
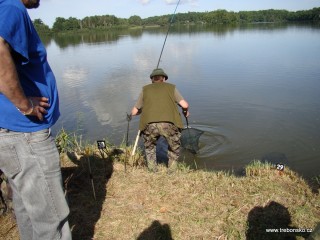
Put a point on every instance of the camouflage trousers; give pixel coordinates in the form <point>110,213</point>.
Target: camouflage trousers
<point>152,133</point>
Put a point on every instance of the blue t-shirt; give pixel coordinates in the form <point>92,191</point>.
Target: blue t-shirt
<point>35,74</point>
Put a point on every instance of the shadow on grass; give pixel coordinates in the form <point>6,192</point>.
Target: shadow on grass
<point>314,184</point>
<point>271,222</point>
<point>156,231</point>
<point>86,192</point>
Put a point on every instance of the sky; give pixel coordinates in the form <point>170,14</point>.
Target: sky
<point>49,10</point>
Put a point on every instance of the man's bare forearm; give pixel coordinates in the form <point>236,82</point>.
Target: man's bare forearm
<point>9,81</point>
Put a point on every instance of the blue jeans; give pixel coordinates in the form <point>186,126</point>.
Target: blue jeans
<point>31,163</point>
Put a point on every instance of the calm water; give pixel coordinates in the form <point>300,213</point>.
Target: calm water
<point>254,90</point>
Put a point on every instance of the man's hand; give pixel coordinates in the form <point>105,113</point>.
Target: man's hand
<point>40,104</point>
<point>185,112</point>
<point>129,117</point>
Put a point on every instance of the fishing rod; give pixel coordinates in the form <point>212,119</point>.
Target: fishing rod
<point>165,40</point>
<point>127,141</point>
<point>87,154</point>
<point>164,43</point>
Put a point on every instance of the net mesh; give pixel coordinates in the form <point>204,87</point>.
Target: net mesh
<point>190,139</point>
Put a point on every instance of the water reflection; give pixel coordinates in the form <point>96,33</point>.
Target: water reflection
<point>109,36</point>
<point>253,90</point>
<point>64,40</point>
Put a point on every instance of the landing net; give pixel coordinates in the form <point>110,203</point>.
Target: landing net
<point>190,139</point>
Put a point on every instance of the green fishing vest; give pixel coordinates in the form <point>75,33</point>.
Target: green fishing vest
<point>159,105</point>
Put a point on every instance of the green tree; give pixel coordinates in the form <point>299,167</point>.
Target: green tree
<point>71,24</point>
<point>59,24</point>
<point>219,16</point>
<point>135,20</point>
<point>41,27</point>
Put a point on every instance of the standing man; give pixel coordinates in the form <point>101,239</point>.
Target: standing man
<point>29,106</point>
<point>160,117</point>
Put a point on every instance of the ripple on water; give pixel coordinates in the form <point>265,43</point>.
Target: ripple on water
<point>212,141</point>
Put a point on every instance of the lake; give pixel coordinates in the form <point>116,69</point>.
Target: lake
<point>254,90</point>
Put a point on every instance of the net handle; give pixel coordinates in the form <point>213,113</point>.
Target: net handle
<point>187,121</point>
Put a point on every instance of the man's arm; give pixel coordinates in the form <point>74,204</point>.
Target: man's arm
<point>181,102</point>
<point>184,104</point>
<point>137,109</point>
<point>9,81</point>
<point>134,111</point>
<point>10,86</point>
<point>185,107</point>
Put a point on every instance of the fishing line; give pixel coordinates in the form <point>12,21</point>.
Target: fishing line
<point>165,40</point>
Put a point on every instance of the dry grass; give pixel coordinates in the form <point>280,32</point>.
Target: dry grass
<point>204,205</point>
<point>136,204</point>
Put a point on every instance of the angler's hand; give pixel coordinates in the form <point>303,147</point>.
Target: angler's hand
<point>185,112</point>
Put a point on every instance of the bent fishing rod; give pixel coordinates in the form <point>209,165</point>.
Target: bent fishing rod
<point>164,43</point>
<point>165,40</point>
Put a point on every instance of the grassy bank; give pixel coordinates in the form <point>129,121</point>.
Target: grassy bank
<point>132,203</point>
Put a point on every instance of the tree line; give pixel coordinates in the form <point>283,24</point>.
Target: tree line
<point>212,17</point>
